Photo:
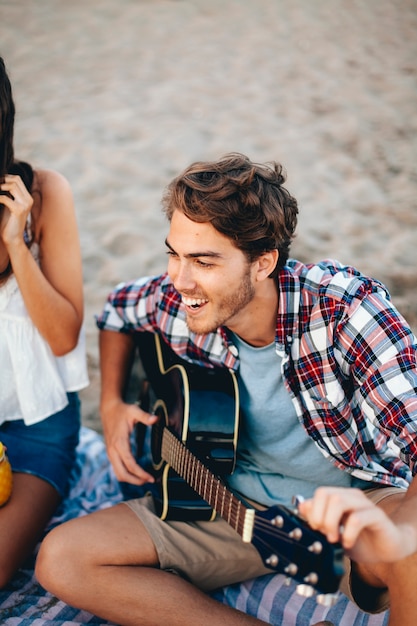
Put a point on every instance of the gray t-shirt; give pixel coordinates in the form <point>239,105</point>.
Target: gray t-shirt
<point>276,457</point>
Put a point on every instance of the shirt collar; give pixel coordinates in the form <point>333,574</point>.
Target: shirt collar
<point>288,308</point>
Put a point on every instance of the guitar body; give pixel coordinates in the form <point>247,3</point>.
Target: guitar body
<point>201,407</point>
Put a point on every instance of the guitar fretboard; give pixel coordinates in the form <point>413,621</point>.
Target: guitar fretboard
<point>207,485</point>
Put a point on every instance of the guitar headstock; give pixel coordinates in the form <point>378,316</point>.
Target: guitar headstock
<point>288,545</point>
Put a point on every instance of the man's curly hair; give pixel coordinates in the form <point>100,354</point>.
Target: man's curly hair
<point>244,201</point>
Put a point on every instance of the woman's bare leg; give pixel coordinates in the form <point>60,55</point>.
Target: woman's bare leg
<point>22,521</point>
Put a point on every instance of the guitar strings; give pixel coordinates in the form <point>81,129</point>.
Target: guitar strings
<point>272,531</point>
<point>232,510</point>
<point>285,539</point>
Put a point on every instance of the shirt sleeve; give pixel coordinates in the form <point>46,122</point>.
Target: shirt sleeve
<point>132,306</point>
<point>380,350</point>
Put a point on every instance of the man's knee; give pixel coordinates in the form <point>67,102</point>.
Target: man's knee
<point>53,560</point>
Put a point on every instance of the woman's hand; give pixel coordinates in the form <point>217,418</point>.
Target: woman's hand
<point>51,287</point>
<point>17,205</point>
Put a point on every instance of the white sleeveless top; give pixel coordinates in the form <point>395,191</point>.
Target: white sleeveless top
<point>33,381</point>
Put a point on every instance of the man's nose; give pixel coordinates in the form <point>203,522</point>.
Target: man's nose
<point>182,277</point>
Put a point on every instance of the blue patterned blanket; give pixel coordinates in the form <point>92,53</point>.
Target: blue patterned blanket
<point>94,487</point>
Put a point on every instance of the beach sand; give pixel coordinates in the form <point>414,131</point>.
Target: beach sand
<point>121,95</point>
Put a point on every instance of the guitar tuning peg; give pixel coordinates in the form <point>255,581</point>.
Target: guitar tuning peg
<point>327,599</point>
<point>272,560</point>
<point>291,569</point>
<point>277,521</point>
<point>311,578</point>
<point>296,533</point>
<point>296,501</point>
<point>316,547</point>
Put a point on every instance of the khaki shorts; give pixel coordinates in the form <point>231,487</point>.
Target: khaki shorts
<point>212,554</point>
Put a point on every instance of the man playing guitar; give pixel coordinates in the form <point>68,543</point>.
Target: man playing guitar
<point>326,375</point>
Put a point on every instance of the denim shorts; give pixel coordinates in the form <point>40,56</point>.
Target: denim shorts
<point>45,449</point>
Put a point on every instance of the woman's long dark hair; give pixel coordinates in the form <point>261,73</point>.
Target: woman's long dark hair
<point>8,163</point>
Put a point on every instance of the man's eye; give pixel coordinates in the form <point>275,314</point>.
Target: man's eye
<point>203,263</point>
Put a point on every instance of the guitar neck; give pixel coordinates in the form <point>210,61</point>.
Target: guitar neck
<point>207,485</point>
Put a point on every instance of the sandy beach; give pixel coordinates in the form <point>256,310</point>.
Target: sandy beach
<point>120,95</point>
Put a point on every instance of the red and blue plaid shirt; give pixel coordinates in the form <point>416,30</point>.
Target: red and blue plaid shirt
<point>348,360</point>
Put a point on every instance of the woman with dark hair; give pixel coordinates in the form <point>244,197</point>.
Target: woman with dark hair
<point>42,348</point>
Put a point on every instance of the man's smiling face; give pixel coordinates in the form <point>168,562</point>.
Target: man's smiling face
<point>214,277</point>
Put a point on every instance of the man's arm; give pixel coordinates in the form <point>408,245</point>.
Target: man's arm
<point>117,416</point>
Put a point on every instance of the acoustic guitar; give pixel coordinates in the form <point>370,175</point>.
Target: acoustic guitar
<point>193,445</point>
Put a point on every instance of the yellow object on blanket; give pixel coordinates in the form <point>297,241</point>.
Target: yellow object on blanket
<point>6,479</point>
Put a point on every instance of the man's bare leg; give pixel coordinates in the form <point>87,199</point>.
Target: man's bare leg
<point>106,563</point>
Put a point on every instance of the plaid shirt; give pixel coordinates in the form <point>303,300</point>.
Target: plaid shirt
<point>348,360</point>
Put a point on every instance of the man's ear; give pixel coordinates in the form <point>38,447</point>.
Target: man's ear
<point>266,264</point>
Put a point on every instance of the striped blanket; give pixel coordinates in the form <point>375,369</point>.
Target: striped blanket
<point>95,487</point>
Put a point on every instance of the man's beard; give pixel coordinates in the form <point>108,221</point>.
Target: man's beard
<point>226,309</point>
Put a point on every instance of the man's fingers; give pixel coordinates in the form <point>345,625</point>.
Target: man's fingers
<point>332,511</point>
<point>127,470</point>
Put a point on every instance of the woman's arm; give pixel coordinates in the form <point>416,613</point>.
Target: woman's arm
<point>53,291</point>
